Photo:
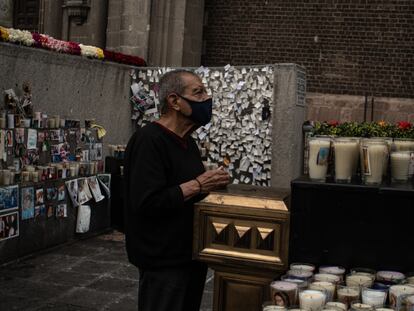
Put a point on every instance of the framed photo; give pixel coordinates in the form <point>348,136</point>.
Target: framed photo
<point>28,200</point>
<point>9,226</point>
<point>9,198</point>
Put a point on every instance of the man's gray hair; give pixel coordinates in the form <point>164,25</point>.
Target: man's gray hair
<point>171,82</point>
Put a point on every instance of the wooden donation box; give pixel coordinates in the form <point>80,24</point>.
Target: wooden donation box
<point>243,235</point>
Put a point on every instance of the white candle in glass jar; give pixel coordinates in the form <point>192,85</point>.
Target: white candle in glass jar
<point>325,277</point>
<point>373,297</point>
<point>328,287</point>
<point>410,280</point>
<point>409,302</point>
<point>347,294</point>
<point>361,306</point>
<point>358,279</point>
<point>337,305</point>
<point>346,151</point>
<point>400,164</point>
<point>336,270</point>
<point>319,149</point>
<point>390,276</point>
<point>302,274</point>
<point>312,300</point>
<point>403,144</point>
<point>373,159</point>
<point>289,289</point>
<point>302,266</point>
<point>398,290</point>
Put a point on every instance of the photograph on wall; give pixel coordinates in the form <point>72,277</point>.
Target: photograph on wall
<point>9,198</point>
<point>40,136</point>
<point>60,152</point>
<point>105,181</point>
<point>50,210</point>
<point>32,157</point>
<point>72,186</point>
<point>27,197</point>
<point>40,196</point>
<point>9,226</point>
<point>9,138</point>
<point>51,194</point>
<point>94,186</point>
<point>84,194</point>
<point>61,192</point>
<point>19,135</point>
<point>56,135</point>
<point>61,210</point>
<point>31,139</point>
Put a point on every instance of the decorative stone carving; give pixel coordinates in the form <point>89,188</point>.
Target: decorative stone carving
<point>77,10</point>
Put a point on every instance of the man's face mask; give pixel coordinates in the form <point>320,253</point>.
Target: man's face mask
<point>201,111</point>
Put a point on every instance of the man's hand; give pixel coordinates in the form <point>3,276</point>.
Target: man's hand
<point>213,179</point>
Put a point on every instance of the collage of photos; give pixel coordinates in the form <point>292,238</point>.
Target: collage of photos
<point>9,226</point>
<point>82,190</point>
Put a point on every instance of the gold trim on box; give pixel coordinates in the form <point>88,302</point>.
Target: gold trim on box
<point>239,255</point>
<point>235,200</point>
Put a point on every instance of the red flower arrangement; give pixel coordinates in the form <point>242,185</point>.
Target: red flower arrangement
<point>404,125</point>
<point>123,58</point>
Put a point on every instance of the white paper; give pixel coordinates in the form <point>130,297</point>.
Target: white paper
<point>83,219</point>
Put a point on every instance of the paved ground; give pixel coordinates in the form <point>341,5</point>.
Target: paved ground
<point>88,275</point>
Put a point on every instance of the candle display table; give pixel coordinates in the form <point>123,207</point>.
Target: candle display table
<point>243,234</point>
<point>352,225</point>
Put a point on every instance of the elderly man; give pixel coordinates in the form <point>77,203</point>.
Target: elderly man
<point>165,177</point>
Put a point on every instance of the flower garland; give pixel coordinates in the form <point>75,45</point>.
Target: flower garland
<point>400,129</point>
<point>49,43</point>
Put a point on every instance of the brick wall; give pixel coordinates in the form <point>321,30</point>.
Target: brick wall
<point>347,46</point>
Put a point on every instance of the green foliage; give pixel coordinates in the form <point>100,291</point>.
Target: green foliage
<point>375,129</point>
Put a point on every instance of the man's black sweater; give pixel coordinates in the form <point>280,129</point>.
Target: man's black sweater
<point>159,224</point>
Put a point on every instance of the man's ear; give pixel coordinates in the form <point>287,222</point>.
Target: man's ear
<point>172,101</point>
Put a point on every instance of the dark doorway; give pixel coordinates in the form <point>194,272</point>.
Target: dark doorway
<point>26,14</point>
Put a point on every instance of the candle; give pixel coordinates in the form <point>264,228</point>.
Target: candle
<point>328,287</point>
<point>346,153</point>
<point>26,176</point>
<point>319,149</point>
<point>337,305</point>
<point>10,121</point>
<point>384,309</point>
<point>51,123</point>
<point>57,121</point>
<point>410,280</point>
<point>364,271</point>
<point>284,293</point>
<point>6,177</point>
<point>374,297</point>
<point>299,282</point>
<point>357,306</point>
<point>325,277</point>
<point>34,176</point>
<point>300,274</point>
<point>396,291</point>
<point>346,295</point>
<point>335,270</point>
<point>2,123</point>
<point>401,144</point>
<point>390,276</point>
<point>374,155</point>
<point>270,307</point>
<point>312,300</point>
<point>409,303</point>
<point>400,163</point>
<point>359,279</point>
<point>12,177</point>
<point>302,266</point>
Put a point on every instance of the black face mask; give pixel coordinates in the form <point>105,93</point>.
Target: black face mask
<point>201,111</point>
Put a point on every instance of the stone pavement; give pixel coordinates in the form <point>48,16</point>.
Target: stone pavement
<point>88,275</point>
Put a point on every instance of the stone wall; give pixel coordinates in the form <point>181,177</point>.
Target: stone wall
<point>327,107</point>
<point>71,86</point>
<point>347,47</point>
